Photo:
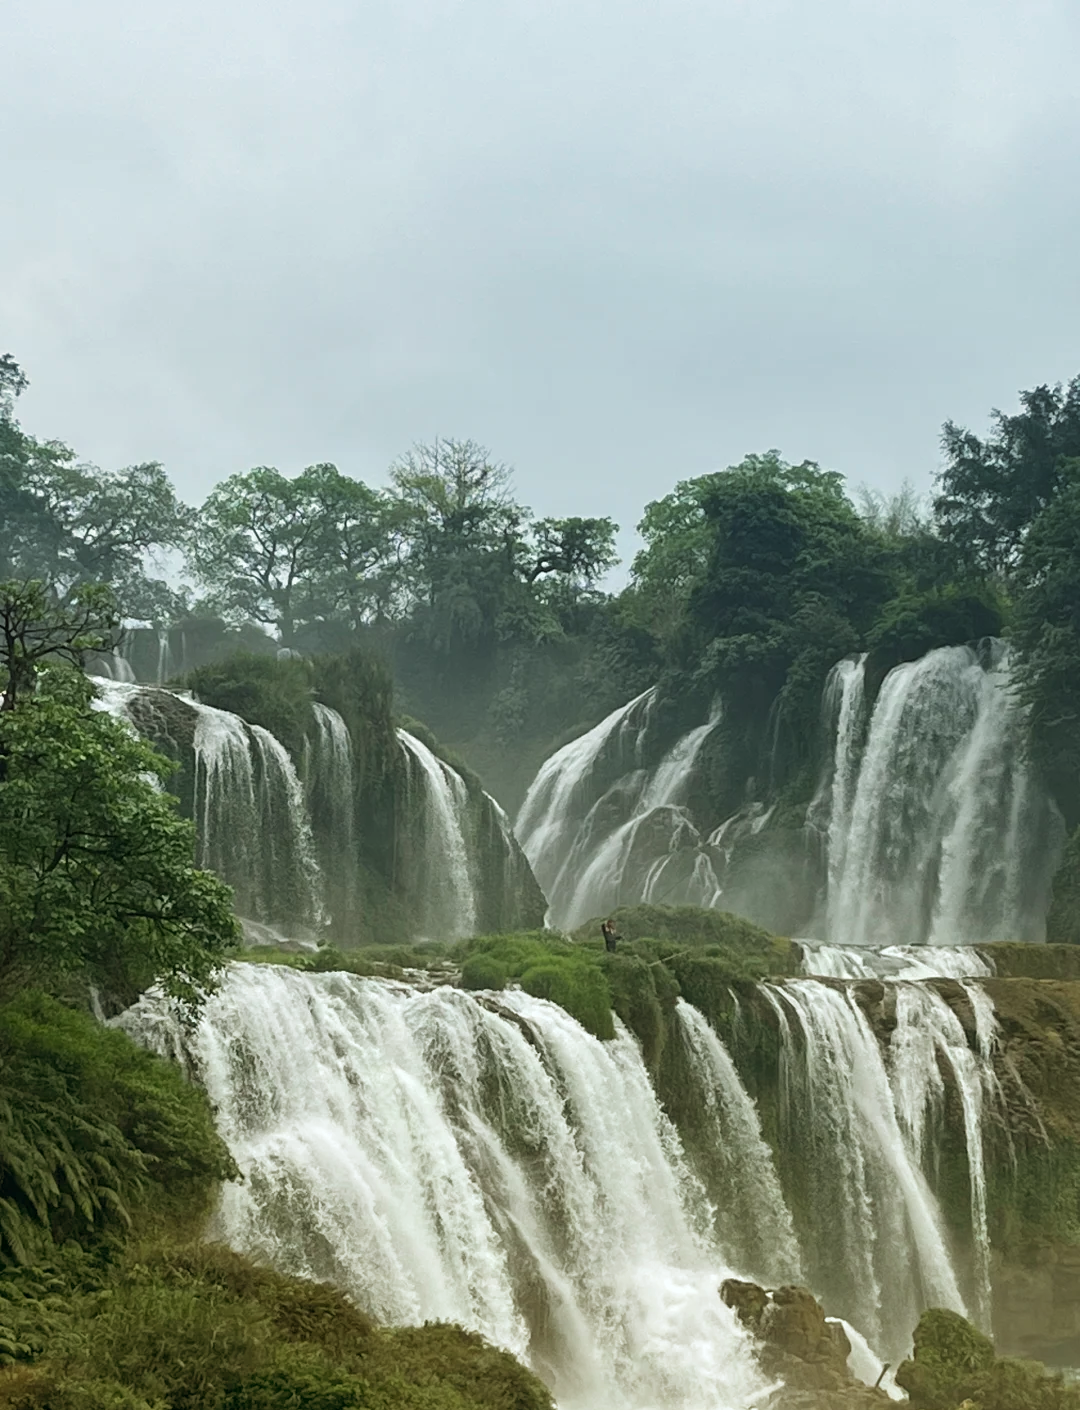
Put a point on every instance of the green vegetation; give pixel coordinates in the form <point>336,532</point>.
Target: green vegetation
<point>953,1362</point>
<point>95,1133</point>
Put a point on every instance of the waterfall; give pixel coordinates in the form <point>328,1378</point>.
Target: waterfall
<point>329,775</point>
<point>444,1155</point>
<point>754,1224</point>
<point>252,820</point>
<point>596,841</point>
<point>846,686</point>
<point>564,789</point>
<point>894,962</point>
<point>938,832</point>
<point>445,885</point>
<point>872,1232</point>
<point>927,1028</point>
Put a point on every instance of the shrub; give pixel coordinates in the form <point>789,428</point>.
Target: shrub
<point>483,972</point>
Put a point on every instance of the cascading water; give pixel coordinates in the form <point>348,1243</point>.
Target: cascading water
<point>444,1155</point>
<point>329,775</point>
<point>754,1224</point>
<point>880,1256</point>
<point>938,832</point>
<point>252,821</point>
<point>926,1029</point>
<point>565,789</point>
<point>445,882</point>
<point>634,841</point>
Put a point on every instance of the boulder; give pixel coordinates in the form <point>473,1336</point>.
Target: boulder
<point>800,1347</point>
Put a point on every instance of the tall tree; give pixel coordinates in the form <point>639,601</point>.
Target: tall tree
<point>992,490</point>
<point>70,524</point>
<point>281,551</point>
<point>1047,633</point>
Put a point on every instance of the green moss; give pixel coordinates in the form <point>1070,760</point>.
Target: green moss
<point>1018,960</point>
<point>954,1362</point>
<point>746,949</point>
<point>948,1357</point>
<point>483,972</point>
<point>549,967</point>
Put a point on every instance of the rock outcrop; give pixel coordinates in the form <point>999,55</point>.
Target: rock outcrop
<point>800,1348</point>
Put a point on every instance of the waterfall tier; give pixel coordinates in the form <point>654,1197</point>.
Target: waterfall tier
<point>439,1155</point>
<point>481,1157</point>
<point>927,826</point>
<point>313,846</point>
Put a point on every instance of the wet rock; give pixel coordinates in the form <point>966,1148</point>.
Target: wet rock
<point>800,1347</point>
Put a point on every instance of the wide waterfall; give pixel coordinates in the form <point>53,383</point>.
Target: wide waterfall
<point>928,825</point>
<point>484,1159</point>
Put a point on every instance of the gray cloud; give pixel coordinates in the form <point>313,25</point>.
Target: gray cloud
<point>618,243</point>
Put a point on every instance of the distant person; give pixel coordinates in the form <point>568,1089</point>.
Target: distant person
<point>607,930</point>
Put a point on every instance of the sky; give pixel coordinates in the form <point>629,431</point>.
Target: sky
<point>618,243</point>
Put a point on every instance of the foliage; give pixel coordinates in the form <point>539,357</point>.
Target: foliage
<point>263,691</point>
<point>93,1132</point>
<point>280,551</point>
<point>548,967</point>
<point>993,490</point>
<point>1047,633</point>
<point>948,1357</point>
<point>96,873</point>
<point>1063,918</point>
<point>483,971</point>
<point>67,524</point>
<point>197,1327</point>
<point>955,1362</point>
<point>36,627</point>
<point>913,623</point>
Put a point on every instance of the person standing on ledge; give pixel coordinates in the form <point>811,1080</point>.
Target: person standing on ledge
<point>607,930</point>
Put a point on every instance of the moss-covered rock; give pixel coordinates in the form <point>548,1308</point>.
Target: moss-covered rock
<point>1063,918</point>
<point>948,1361</point>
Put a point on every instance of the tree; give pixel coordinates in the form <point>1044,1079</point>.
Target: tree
<point>1046,632</point>
<point>281,551</point>
<point>97,881</point>
<point>36,627</point>
<point>992,490</point>
<point>677,542</point>
<point>70,524</point>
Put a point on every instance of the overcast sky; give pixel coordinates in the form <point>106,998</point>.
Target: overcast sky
<point>618,242</point>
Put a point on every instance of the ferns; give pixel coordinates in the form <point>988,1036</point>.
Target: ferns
<point>89,1127</point>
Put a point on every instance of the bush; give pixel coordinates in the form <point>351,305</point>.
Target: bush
<point>483,972</point>
<point>262,690</point>
<point>201,1328</point>
<point>548,967</point>
<point>916,622</point>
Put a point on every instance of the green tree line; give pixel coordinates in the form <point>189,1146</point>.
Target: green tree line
<point>751,582</point>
